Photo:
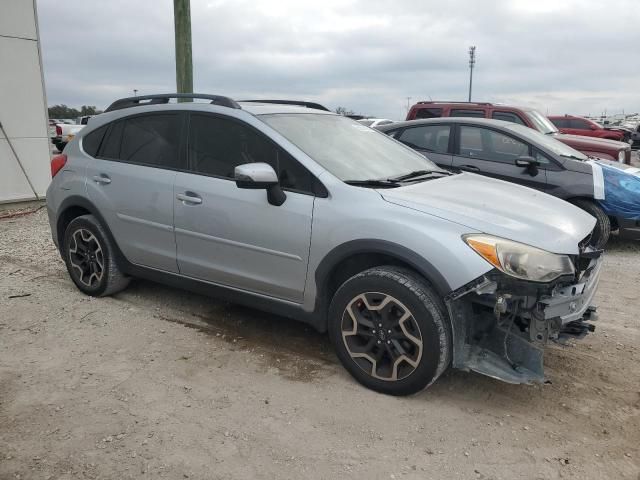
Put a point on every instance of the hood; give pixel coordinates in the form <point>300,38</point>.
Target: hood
<point>498,208</point>
<point>591,143</point>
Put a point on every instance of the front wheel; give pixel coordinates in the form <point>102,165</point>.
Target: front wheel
<point>602,230</point>
<point>390,330</point>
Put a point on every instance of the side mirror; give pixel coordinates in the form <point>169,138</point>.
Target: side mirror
<point>257,176</point>
<point>530,163</point>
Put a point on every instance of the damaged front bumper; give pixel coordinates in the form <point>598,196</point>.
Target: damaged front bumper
<point>501,325</point>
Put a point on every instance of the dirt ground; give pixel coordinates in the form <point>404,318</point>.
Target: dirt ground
<point>159,383</point>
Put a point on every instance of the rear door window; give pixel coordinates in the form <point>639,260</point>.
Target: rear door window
<point>91,142</point>
<point>578,124</point>
<point>152,140</point>
<point>429,113</point>
<point>432,138</point>
<point>560,122</point>
<point>459,112</point>
<point>507,117</point>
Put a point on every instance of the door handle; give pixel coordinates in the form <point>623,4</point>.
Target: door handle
<point>189,197</point>
<point>469,168</point>
<point>102,179</point>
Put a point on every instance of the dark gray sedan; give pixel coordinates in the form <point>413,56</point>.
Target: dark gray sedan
<point>517,154</point>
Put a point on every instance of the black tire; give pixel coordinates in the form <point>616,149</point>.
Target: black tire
<point>602,230</point>
<point>90,258</point>
<point>427,321</point>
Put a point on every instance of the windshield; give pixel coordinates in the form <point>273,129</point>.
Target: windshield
<point>542,123</point>
<point>546,141</point>
<point>347,149</point>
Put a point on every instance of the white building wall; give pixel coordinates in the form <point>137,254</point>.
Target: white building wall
<point>23,111</point>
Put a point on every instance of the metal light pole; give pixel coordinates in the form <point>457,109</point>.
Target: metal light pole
<point>135,92</point>
<point>184,66</point>
<point>472,62</point>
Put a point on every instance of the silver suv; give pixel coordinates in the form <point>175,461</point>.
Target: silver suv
<point>313,216</point>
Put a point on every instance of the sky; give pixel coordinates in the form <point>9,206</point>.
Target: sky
<point>560,56</point>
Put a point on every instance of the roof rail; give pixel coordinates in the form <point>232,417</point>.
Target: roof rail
<point>299,103</point>
<point>456,102</point>
<point>161,98</point>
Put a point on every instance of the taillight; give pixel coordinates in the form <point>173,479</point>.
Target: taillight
<point>58,130</point>
<point>57,163</point>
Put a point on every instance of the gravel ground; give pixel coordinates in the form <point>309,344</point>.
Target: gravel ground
<point>158,383</point>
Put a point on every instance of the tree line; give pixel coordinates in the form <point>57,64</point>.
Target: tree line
<point>64,111</point>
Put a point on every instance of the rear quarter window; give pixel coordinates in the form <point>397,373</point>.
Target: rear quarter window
<point>91,141</point>
<point>459,112</point>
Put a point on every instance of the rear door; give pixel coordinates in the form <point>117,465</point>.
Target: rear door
<point>232,236</point>
<point>130,180</point>
<point>493,153</point>
<point>433,140</point>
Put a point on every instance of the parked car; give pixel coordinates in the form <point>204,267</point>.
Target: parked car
<point>635,135</point>
<point>52,127</point>
<point>375,122</point>
<point>519,154</point>
<point>64,134</point>
<point>595,147</point>
<point>305,213</point>
<point>583,126</point>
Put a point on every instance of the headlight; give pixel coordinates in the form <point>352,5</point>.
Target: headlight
<point>520,260</point>
<point>621,156</point>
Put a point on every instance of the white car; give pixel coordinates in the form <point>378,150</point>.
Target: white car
<point>375,122</point>
<point>64,132</point>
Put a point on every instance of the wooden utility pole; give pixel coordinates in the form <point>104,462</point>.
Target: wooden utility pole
<point>184,66</point>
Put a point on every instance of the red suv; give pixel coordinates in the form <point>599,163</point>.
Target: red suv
<point>584,126</point>
<point>595,147</point>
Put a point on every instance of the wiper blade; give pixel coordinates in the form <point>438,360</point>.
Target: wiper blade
<point>373,183</point>
<point>419,173</point>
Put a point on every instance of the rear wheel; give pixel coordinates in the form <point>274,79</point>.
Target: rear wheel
<point>602,230</point>
<point>89,256</point>
<point>390,330</point>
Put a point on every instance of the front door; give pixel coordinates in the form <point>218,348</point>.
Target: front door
<point>232,236</point>
<point>492,153</point>
<point>130,181</point>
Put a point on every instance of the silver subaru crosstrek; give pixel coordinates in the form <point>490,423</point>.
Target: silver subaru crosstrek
<point>313,216</point>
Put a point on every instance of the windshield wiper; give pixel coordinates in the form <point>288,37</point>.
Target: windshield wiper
<point>418,173</point>
<point>373,183</point>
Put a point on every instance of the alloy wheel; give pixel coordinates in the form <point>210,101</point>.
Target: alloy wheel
<point>86,257</point>
<point>382,336</point>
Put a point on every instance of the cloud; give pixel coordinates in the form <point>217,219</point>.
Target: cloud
<point>366,55</point>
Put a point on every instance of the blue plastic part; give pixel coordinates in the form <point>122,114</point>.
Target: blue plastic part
<point>621,193</point>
